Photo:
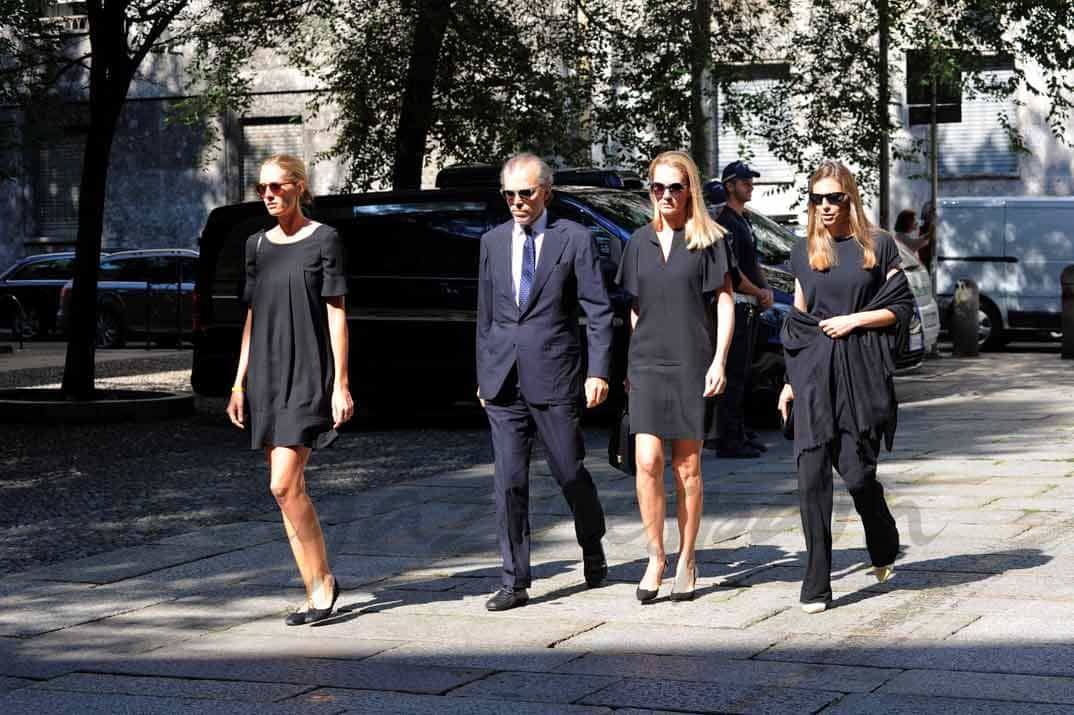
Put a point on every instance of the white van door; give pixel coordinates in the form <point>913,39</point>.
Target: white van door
<point>970,239</point>
<point>1040,238</point>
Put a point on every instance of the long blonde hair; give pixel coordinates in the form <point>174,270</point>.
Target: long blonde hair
<point>701,231</point>
<point>820,242</point>
<point>295,169</point>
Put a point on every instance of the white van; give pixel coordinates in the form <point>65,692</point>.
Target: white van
<point>1014,249</point>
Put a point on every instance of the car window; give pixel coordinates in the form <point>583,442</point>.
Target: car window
<point>609,246</point>
<point>56,269</point>
<point>435,239</point>
<point>774,243</point>
<point>630,210</point>
<point>110,271</point>
<point>187,264</point>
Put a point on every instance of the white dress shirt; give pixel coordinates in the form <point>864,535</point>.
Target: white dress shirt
<point>518,242</point>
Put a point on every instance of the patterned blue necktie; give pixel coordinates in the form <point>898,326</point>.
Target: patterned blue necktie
<point>529,259</point>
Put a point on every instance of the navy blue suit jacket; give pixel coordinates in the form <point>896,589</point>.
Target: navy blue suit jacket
<point>542,339</point>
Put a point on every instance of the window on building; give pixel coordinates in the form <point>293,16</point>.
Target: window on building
<point>70,16</point>
<point>753,149</point>
<point>59,177</point>
<point>261,138</point>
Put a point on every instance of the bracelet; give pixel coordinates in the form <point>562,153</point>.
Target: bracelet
<point>238,388</point>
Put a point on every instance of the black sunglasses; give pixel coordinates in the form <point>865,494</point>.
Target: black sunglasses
<point>835,198</point>
<point>275,187</point>
<point>525,194</point>
<point>659,189</point>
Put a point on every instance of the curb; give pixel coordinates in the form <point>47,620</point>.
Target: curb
<point>27,406</point>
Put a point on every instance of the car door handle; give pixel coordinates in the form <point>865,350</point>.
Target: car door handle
<point>448,289</point>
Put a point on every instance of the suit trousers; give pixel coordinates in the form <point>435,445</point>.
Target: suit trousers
<point>730,415</point>
<point>855,458</point>
<point>514,423</point>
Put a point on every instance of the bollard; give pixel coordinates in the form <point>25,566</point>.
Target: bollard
<point>1066,280</point>
<point>964,319</point>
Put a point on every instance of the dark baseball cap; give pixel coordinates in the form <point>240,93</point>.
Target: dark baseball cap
<point>714,193</point>
<point>738,170</point>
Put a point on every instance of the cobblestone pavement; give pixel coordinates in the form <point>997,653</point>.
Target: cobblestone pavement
<point>977,619</point>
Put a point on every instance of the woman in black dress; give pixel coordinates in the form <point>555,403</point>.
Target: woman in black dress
<point>673,267</point>
<point>849,292</point>
<point>293,363</point>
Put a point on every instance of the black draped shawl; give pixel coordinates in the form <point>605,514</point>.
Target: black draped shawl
<point>846,383</point>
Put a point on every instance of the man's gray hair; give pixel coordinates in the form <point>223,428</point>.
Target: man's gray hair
<point>518,160</point>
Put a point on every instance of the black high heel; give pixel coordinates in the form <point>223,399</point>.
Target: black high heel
<point>681,594</point>
<point>645,595</point>
<point>311,614</point>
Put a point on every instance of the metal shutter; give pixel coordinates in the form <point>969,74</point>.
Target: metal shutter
<point>978,145</point>
<point>758,156</point>
<point>261,138</point>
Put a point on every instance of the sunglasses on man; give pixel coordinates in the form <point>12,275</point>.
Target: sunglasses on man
<point>524,194</point>
<point>658,189</point>
<point>275,187</point>
<point>835,198</point>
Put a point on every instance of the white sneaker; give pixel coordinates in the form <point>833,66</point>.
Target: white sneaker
<point>884,573</point>
<point>812,608</point>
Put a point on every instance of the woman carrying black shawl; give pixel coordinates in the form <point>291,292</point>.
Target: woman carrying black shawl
<point>852,302</point>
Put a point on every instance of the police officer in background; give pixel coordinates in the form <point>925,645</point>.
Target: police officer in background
<point>752,295</point>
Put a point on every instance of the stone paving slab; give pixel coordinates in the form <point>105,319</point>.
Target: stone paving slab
<point>174,687</point>
<point>9,684</point>
<point>481,656</point>
<point>54,702</point>
<point>759,674</point>
<point>622,638</point>
<point>535,687</point>
<point>859,704</point>
<point>988,686</point>
<point>711,697</point>
<point>377,703</point>
<point>124,563</point>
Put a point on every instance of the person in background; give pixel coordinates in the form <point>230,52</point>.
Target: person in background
<point>752,295</point>
<point>906,232</point>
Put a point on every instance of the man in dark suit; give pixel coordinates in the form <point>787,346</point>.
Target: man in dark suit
<point>538,274</point>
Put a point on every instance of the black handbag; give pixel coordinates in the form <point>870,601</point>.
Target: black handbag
<point>621,443</point>
<point>788,424</point>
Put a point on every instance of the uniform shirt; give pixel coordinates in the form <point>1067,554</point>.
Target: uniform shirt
<point>743,245</point>
<point>518,245</point>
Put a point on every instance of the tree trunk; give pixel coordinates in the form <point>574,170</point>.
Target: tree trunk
<point>882,102</point>
<point>416,113</point>
<point>700,84</point>
<point>110,78</point>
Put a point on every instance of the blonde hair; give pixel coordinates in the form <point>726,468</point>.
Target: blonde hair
<point>820,242</point>
<point>701,231</point>
<point>295,169</point>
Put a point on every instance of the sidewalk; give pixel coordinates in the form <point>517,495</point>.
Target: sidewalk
<point>977,618</point>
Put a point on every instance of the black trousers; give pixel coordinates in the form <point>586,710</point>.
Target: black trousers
<point>856,462</point>
<point>514,424</point>
<point>730,414</point>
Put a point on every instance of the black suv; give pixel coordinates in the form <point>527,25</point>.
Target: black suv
<point>412,260</point>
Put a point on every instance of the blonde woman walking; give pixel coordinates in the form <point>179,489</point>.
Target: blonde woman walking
<point>675,268</point>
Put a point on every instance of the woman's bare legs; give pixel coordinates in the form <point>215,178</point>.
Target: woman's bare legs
<point>288,484</point>
<point>686,465</point>
<point>652,503</point>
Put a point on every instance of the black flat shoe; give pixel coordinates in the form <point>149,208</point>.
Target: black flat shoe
<point>596,567</point>
<point>319,614</point>
<point>507,598</point>
<point>298,618</point>
<point>645,595</point>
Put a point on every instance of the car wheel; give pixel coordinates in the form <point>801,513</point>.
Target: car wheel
<point>990,334</point>
<point>109,330</point>
<point>28,323</point>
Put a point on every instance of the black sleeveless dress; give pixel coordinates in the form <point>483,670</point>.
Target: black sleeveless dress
<point>291,369</point>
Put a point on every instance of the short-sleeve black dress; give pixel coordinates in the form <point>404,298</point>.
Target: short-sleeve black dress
<point>291,369</point>
<point>673,343</point>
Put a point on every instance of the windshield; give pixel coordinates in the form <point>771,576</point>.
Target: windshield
<point>629,210</point>
<point>773,241</point>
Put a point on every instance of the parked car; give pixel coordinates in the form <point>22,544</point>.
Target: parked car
<point>1014,249</point>
<point>146,293</point>
<point>35,283</point>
